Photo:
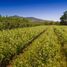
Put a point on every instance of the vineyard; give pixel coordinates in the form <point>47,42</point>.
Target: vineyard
<point>40,46</point>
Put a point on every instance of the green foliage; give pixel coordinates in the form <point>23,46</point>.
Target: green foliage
<point>13,22</point>
<point>10,22</point>
<point>12,41</point>
<point>64,19</point>
<point>45,51</point>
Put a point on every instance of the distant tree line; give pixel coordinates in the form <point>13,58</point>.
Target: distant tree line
<point>14,22</point>
<point>10,22</point>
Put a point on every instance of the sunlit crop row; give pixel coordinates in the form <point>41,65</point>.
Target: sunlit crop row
<point>62,35</point>
<point>12,41</point>
<point>43,52</point>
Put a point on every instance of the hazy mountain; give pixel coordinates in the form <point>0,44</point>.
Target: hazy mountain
<point>34,19</point>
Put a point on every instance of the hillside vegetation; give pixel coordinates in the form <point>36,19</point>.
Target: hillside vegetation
<point>11,22</point>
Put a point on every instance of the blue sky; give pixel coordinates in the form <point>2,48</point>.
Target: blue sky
<point>44,9</point>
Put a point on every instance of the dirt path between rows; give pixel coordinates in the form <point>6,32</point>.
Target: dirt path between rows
<point>4,64</point>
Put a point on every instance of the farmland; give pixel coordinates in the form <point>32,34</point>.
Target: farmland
<point>40,46</point>
<point>33,33</point>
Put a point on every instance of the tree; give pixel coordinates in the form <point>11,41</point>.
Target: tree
<point>64,19</point>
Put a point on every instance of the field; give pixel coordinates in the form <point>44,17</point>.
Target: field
<point>40,46</point>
